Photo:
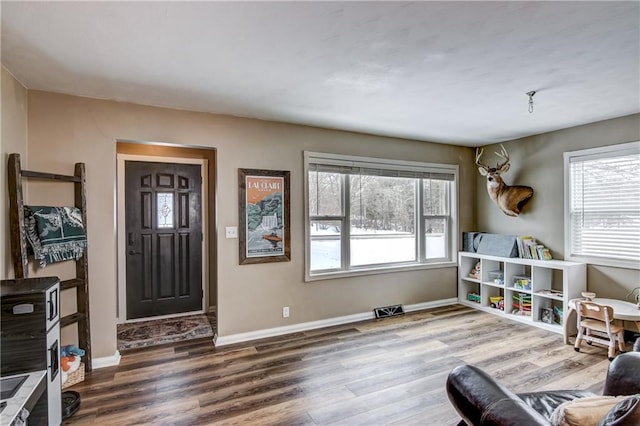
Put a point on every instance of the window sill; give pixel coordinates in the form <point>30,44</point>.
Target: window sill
<point>598,261</point>
<point>377,271</point>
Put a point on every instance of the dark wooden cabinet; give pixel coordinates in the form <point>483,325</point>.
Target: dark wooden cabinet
<point>30,334</point>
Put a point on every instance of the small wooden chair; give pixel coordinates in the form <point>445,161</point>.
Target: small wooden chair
<point>596,325</point>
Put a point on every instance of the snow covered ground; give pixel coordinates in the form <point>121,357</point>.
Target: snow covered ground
<point>369,250</point>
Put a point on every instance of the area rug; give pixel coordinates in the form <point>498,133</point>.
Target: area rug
<point>159,332</point>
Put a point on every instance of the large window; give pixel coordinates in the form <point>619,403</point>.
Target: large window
<point>369,214</point>
<point>602,210</point>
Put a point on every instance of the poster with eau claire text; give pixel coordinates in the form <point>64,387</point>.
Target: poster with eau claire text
<point>264,216</point>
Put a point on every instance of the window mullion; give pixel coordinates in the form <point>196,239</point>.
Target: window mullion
<point>419,220</point>
<point>346,233</point>
<point>448,233</point>
<point>312,218</point>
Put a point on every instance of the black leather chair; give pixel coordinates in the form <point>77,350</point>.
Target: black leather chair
<point>480,400</point>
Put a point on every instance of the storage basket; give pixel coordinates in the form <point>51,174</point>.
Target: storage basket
<point>496,277</point>
<point>521,282</point>
<point>75,377</point>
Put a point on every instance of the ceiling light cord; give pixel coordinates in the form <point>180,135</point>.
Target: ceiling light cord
<point>530,94</point>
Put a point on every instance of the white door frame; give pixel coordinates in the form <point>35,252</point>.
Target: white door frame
<point>121,232</point>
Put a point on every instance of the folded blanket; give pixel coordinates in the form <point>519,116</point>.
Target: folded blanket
<point>55,233</point>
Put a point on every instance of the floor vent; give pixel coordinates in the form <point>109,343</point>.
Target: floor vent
<point>389,311</point>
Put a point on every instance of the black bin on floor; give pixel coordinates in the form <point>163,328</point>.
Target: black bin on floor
<point>70,403</point>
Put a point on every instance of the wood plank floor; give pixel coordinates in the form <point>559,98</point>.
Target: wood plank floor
<point>379,372</point>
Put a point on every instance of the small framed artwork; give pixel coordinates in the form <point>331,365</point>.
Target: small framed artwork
<point>546,315</point>
<point>264,206</point>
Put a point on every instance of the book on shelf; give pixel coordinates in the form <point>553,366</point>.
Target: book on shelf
<point>529,248</point>
<point>544,253</point>
<point>523,246</point>
<point>524,243</point>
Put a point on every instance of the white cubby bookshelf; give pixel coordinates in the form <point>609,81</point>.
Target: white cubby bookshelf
<point>570,278</point>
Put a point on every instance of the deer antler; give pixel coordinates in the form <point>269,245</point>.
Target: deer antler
<point>504,155</point>
<point>478,156</point>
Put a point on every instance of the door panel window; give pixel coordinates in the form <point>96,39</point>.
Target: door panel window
<point>165,209</point>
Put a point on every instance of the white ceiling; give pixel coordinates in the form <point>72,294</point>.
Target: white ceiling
<point>449,72</point>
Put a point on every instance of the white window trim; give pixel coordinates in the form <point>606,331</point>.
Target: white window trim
<point>327,158</point>
<point>587,154</point>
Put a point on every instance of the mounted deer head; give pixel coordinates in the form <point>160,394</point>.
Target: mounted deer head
<point>510,199</point>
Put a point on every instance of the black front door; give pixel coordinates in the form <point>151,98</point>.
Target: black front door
<point>163,208</point>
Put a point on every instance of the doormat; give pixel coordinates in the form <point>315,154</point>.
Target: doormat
<point>159,332</point>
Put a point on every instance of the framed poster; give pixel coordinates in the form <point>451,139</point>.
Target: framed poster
<point>264,216</point>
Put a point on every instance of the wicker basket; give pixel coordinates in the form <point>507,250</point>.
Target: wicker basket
<point>75,377</point>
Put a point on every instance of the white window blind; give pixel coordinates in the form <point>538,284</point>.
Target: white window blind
<point>354,168</point>
<point>604,204</point>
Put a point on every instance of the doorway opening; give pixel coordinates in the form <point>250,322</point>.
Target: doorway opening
<point>166,208</point>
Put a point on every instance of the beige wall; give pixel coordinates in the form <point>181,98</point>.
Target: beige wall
<point>63,130</point>
<point>537,161</point>
<point>66,129</point>
<point>13,122</point>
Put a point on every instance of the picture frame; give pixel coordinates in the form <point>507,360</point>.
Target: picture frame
<point>264,207</point>
<point>546,315</point>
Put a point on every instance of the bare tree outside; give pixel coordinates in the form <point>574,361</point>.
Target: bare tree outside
<point>381,222</point>
<point>382,204</point>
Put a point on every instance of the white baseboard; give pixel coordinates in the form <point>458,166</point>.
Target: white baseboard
<point>106,361</point>
<point>294,328</point>
<point>428,305</point>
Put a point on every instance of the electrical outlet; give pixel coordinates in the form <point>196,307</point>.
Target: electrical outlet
<point>285,312</point>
